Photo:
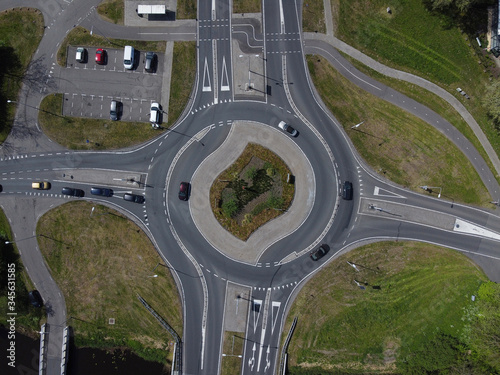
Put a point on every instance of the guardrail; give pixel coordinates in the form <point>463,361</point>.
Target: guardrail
<point>177,361</point>
<point>65,351</point>
<point>284,354</point>
<point>42,367</point>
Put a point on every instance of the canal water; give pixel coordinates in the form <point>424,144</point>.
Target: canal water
<point>83,361</point>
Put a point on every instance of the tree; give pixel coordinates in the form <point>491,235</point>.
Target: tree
<point>461,5</point>
<point>491,101</point>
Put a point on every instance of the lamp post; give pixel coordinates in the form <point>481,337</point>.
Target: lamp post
<point>38,109</point>
<point>22,239</point>
<point>429,189</point>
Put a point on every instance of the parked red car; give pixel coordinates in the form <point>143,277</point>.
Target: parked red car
<point>100,56</point>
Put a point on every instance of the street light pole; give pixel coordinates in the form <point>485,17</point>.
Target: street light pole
<point>22,239</point>
<point>429,189</point>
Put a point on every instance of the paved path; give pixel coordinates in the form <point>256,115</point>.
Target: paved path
<point>394,73</point>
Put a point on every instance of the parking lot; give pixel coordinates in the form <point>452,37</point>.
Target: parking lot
<point>89,87</point>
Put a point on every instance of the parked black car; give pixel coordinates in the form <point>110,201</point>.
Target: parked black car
<point>35,298</point>
<point>134,198</point>
<point>73,192</point>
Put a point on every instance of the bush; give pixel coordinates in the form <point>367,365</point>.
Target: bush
<point>230,208</point>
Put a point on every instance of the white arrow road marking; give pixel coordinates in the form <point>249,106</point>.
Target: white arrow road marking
<point>206,77</point>
<point>268,361</point>
<point>386,193</point>
<point>274,315</point>
<point>257,303</point>
<point>251,361</point>
<point>224,87</point>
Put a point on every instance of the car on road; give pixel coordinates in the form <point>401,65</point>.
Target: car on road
<point>288,128</point>
<point>72,192</point>
<point>184,191</point>
<point>35,298</point>
<point>81,55</point>
<point>1,188</point>
<point>347,190</point>
<point>155,115</point>
<point>150,62</point>
<point>319,253</point>
<point>40,185</point>
<point>134,198</point>
<point>100,56</point>
<point>101,191</point>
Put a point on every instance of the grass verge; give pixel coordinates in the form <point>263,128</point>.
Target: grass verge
<point>430,100</point>
<point>186,9</point>
<point>74,132</point>
<point>246,6</point>
<point>261,213</point>
<point>101,263</point>
<point>112,10</point>
<point>395,143</point>
<point>422,42</point>
<point>232,350</point>
<point>313,16</point>
<point>15,298</point>
<point>424,292</point>
<point>182,78</point>
<point>16,53</point>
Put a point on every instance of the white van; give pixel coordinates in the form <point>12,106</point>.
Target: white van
<point>128,57</point>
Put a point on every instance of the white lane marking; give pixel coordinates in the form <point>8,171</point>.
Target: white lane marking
<point>206,78</point>
<point>386,193</point>
<point>224,87</point>
<point>213,10</point>
<point>463,226</point>
<point>214,52</point>
<point>282,17</point>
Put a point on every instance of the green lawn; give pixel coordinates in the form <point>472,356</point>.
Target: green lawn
<point>73,132</point>
<point>18,51</point>
<point>246,6</point>
<point>313,16</point>
<point>112,10</point>
<point>396,144</point>
<point>424,293</point>
<point>101,263</point>
<point>427,44</point>
<point>432,101</point>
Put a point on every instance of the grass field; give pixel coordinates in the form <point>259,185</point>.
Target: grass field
<point>112,10</point>
<point>232,350</point>
<point>424,291</point>
<point>18,51</point>
<point>430,100</point>
<point>182,78</point>
<point>101,263</point>
<point>246,6</point>
<point>427,44</point>
<point>73,132</point>
<point>396,144</point>
<point>186,9</point>
<point>313,16</point>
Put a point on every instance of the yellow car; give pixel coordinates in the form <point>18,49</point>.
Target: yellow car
<point>41,185</point>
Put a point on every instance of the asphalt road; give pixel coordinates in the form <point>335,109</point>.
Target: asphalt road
<point>379,211</point>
